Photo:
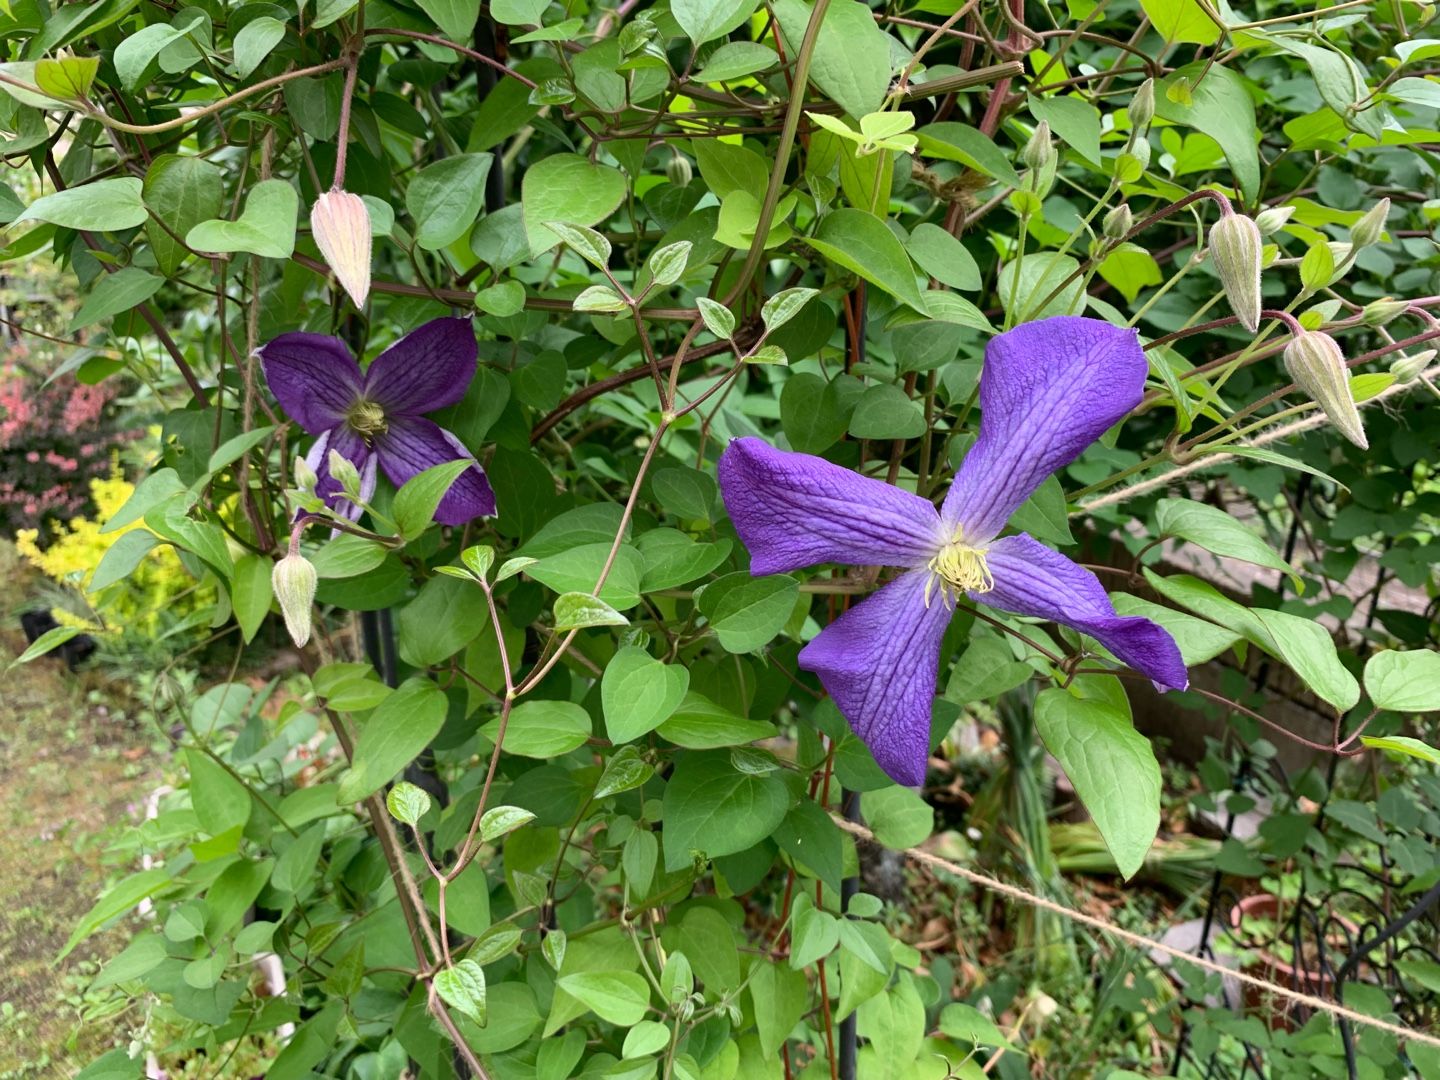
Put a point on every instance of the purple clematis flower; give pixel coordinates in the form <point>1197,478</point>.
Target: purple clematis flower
<point>1047,391</point>
<point>375,418</point>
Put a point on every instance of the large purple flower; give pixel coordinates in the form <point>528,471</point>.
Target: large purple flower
<point>1048,390</point>
<point>375,417</point>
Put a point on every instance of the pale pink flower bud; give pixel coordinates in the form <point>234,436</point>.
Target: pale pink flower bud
<point>1235,246</point>
<point>1317,365</point>
<point>340,223</point>
<point>294,581</point>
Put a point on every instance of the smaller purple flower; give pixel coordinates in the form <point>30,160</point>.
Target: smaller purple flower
<point>375,418</point>
<point>1048,390</point>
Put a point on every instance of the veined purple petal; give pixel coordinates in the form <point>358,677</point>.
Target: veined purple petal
<point>313,376</point>
<point>1031,579</point>
<point>1048,390</point>
<point>413,444</point>
<point>795,510</point>
<point>427,369</point>
<point>349,445</point>
<point>879,662</point>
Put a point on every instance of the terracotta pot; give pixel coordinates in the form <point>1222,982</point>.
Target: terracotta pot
<point>1281,1015</point>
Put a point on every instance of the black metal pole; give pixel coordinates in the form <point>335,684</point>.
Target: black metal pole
<point>845,1053</point>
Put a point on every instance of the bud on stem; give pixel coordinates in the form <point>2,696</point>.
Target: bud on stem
<point>1317,365</point>
<point>294,581</point>
<point>1235,246</point>
<point>340,223</point>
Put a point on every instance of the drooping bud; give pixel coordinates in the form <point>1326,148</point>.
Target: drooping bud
<point>1235,247</point>
<point>1142,105</point>
<point>1408,368</point>
<point>1367,230</point>
<point>1380,312</point>
<point>1118,222</point>
<point>1039,151</point>
<point>678,170</point>
<point>294,581</point>
<point>340,223</point>
<point>345,474</point>
<point>1317,365</point>
<point>1273,218</point>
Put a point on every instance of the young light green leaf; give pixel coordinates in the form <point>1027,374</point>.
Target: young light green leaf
<point>553,946</point>
<point>668,263</point>
<point>499,820</point>
<point>407,803</point>
<point>784,306</point>
<point>479,558</point>
<point>510,567</point>
<point>580,611</point>
<point>1404,681</point>
<point>623,772</point>
<point>51,639</point>
<point>599,299</point>
<point>620,997</point>
<point>719,320</point>
<point>463,987</point>
<point>584,241</point>
<point>768,354</point>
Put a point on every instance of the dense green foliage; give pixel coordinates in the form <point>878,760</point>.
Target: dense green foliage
<point>677,224</point>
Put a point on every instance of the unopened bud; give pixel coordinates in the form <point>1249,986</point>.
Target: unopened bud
<point>678,170</point>
<point>1140,151</point>
<point>1118,222</point>
<point>1142,105</point>
<point>293,581</point>
<point>1235,247</point>
<point>1380,312</point>
<point>305,478</point>
<point>345,474</point>
<point>1367,230</point>
<point>1273,218</point>
<point>1039,151</point>
<point>340,223</point>
<point>1317,365</point>
<point>1408,368</point>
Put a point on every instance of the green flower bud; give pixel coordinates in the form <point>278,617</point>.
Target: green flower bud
<point>305,478</point>
<point>1367,230</point>
<point>678,170</point>
<point>1272,219</point>
<point>1118,222</point>
<point>1140,151</point>
<point>345,474</point>
<point>1235,247</point>
<point>1317,365</point>
<point>294,581</point>
<point>1142,105</point>
<point>1039,151</point>
<point>1408,368</point>
<point>1380,312</point>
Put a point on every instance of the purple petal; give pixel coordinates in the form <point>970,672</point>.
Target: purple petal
<point>1048,390</point>
<point>1031,579</point>
<point>352,447</point>
<point>879,662</point>
<point>313,376</point>
<point>427,369</point>
<point>413,444</point>
<point>795,510</point>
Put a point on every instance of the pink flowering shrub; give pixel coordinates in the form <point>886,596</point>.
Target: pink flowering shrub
<point>54,439</point>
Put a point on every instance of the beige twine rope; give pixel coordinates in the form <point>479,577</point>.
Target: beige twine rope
<point>1140,941</point>
<point>1206,461</point>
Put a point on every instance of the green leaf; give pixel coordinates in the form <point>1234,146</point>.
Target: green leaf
<point>1222,108</point>
<point>687,493</point>
<point>250,592</point>
<point>518,12</point>
<point>445,616</point>
<point>784,306</point>
<point>621,997</point>
<point>809,837</point>
<point>713,808</point>
<point>69,78</point>
<point>407,803</point>
<point>1404,681</point>
<point>1039,274</point>
<point>667,263</point>
<point>851,62</point>
<point>567,187</point>
<point>863,244</point>
<point>295,868</point>
<point>51,639</point>
<point>1113,768</point>
<point>119,899</point>
<point>598,299</point>
<point>1182,21</point>
<point>1219,533</point>
<point>736,59</point>
<point>255,41</point>
<point>780,995</point>
<point>638,693</point>
<point>813,937</point>
<point>943,257</point>
<point>122,557</point>
<point>455,17</point>
<point>1074,120</point>
<point>581,611</point>
<point>399,728</point>
<point>462,987</point>
<point>747,612</point>
<point>415,502</point>
<point>446,198</point>
<point>137,51</point>
<point>645,1038</point>
<point>986,669</point>
<point>140,957</point>
<point>1403,744</point>
<point>499,820</point>
<point>1199,639</point>
<point>718,318</point>
<point>969,1025</point>
<point>181,191</point>
<point>886,412</point>
<point>950,141</point>
<point>221,802</point>
<point>700,724</point>
<point>106,205</point>
<point>706,20</point>
<point>625,771</point>
<point>266,227</point>
<point>542,729</point>
<point>898,817</point>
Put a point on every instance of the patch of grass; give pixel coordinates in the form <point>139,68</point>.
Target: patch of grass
<point>71,767</point>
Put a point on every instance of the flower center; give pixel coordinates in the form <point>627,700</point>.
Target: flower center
<point>959,568</point>
<point>367,418</point>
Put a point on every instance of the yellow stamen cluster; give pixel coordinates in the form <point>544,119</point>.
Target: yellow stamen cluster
<point>958,568</point>
<point>367,418</point>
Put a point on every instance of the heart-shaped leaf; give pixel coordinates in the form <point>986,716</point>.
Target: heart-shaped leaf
<point>265,228</point>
